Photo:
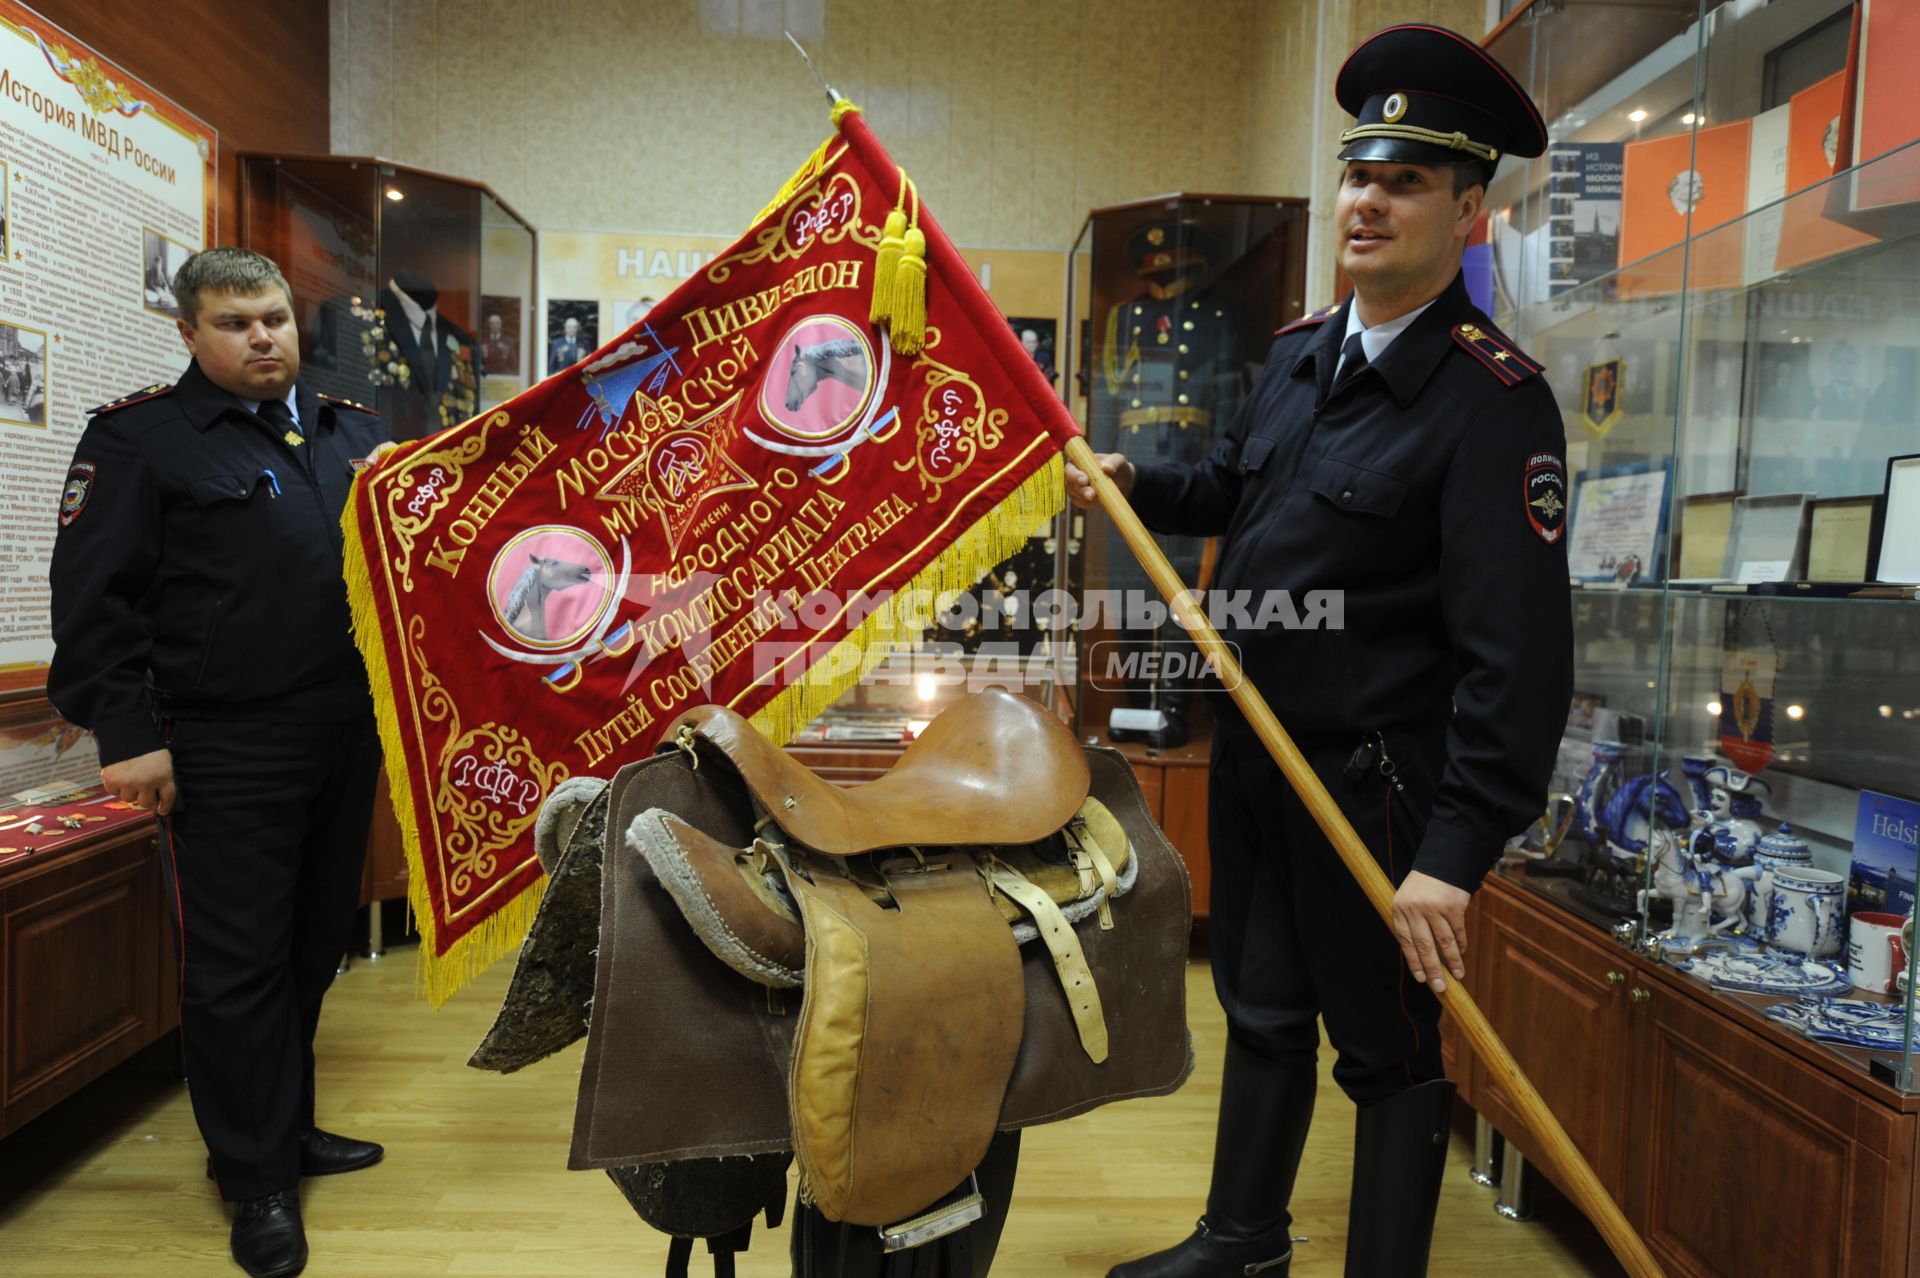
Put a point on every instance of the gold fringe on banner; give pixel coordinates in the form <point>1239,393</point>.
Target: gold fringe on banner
<point>439,975</point>
<point>994,537</point>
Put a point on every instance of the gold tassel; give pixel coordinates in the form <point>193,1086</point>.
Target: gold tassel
<point>892,243</point>
<point>909,321</point>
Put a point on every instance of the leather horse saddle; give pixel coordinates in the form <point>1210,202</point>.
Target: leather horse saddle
<point>874,979</point>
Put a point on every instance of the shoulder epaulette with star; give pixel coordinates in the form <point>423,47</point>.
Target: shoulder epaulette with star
<point>1308,321</point>
<point>154,391</point>
<point>344,402</point>
<point>1501,356</point>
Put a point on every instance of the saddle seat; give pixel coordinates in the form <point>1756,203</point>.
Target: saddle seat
<point>991,769</point>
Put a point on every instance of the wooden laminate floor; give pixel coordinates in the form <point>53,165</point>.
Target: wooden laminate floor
<point>475,1183</point>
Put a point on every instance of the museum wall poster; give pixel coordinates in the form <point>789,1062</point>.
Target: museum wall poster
<point>105,188</point>
<point>1583,213</point>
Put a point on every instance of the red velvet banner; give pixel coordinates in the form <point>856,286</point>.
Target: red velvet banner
<point>739,500</point>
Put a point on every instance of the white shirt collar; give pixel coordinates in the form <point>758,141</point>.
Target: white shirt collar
<point>1376,339</point>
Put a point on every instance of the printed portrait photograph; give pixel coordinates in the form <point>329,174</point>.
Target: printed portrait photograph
<point>160,258</point>
<point>1037,337</point>
<point>23,376</point>
<point>573,332</point>
<point>500,334</point>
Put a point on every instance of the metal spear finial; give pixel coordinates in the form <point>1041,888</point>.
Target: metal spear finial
<point>798,48</point>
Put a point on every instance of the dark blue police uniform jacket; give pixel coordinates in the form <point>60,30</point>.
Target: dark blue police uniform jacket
<point>200,554</point>
<point>1429,490</point>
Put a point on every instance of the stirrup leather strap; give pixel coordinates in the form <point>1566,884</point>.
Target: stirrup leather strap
<point>1069,960</point>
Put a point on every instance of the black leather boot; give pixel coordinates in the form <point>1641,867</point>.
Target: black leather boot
<point>1399,1155</point>
<point>1265,1110</point>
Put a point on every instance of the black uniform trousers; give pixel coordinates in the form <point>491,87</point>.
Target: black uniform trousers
<point>265,852</point>
<point>1293,937</point>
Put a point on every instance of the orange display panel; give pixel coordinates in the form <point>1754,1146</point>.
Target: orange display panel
<point>1666,181</point>
<point>1813,133</point>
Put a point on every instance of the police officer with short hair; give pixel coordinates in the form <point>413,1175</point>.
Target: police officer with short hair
<point>1402,452</point>
<point>202,632</point>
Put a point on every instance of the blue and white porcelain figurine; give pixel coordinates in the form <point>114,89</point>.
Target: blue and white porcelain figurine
<point>1706,897</point>
<point>1640,807</point>
<point>1694,768</point>
<point>1735,799</point>
<point>1602,779</point>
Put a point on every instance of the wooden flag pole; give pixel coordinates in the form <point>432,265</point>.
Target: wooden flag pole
<point>1561,1156</point>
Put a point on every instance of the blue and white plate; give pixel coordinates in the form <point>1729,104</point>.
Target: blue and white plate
<point>1852,1022</point>
<point>1766,973</point>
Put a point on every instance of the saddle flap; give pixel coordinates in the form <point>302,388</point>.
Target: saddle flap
<point>909,1031</point>
<point>684,1058</point>
<point>993,768</point>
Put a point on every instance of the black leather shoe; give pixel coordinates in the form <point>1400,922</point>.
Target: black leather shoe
<point>268,1239</point>
<point>1206,1255</point>
<point>324,1154</point>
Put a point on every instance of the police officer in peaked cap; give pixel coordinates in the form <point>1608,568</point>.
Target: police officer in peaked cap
<point>1401,454</point>
<point>201,631</point>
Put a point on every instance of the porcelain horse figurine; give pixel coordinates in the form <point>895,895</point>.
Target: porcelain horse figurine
<point>526,606</point>
<point>1707,896</point>
<point>841,360</point>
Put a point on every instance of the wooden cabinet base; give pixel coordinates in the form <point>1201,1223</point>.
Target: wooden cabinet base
<point>87,977</point>
<point>1733,1148</point>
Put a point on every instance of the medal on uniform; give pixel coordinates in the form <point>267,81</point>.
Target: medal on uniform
<point>293,439</point>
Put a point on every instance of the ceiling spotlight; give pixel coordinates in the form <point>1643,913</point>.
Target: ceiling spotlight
<point>395,194</point>
<point>1796,712</point>
<point>1688,118</point>
<point>1713,708</point>
<point>1636,115</point>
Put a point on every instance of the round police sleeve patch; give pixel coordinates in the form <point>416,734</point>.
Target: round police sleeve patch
<point>1546,496</point>
<point>79,487</point>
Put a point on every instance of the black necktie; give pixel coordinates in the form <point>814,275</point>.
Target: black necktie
<point>429,356</point>
<point>1353,359</point>
<point>275,413</point>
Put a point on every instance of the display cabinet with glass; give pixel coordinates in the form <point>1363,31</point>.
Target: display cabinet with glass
<point>1175,301</point>
<point>1716,264</point>
<point>414,292</point>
